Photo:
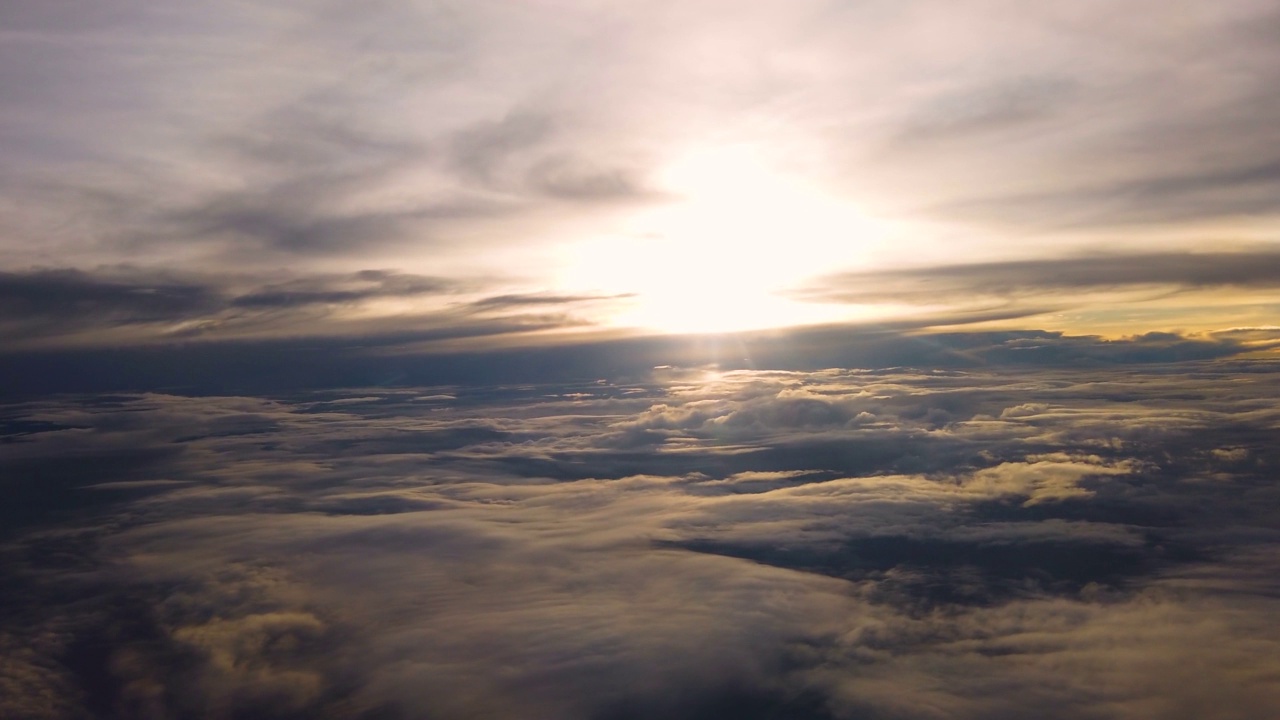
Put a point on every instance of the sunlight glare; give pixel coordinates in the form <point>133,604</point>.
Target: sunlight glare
<point>718,258</point>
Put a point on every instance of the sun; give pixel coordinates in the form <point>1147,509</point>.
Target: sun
<point>720,256</point>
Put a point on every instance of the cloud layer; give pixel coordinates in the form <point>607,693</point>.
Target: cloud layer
<point>320,395</point>
<point>985,543</point>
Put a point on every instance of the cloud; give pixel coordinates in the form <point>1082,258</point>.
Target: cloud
<point>1109,292</point>
<point>310,347</point>
<point>1169,271</point>
<point>52,301</point>
<point>308,134</point>
<point>984,542</point>
<point>300,418</point>
<point>1246,189</point>
<point>1097,100</point>
<point>310,161</point>
<point>134,306</point>
<point>332,290</point>
<point>1043,478</point>
<point>967,112</point>
<point>525,300</point>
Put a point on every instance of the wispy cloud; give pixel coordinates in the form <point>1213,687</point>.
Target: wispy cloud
<point>62,308</point>
<point>416,137</point>
<point>1169,271</point>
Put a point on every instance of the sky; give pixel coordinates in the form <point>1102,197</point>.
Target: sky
<point>233,170</point>
<point>592,360</point>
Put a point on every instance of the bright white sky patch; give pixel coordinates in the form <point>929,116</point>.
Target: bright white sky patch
<point>740,231</point>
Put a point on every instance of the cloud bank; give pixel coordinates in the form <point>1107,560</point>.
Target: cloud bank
<point>819,544</point>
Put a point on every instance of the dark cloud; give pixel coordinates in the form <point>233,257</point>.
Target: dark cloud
<point>60,301</point>
<point>65,301</point>
<point>533,300</point>
<point>421,354</point>
<point>329,290</point>
<point>130,306</point>
<point>1171,271</point>
<point>294,221</point>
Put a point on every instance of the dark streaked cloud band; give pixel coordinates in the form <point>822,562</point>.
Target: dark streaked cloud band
<point>1259,269</point>
<point>828,545</point>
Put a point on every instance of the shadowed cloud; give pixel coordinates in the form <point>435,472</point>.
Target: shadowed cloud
<point>1171,271</point>
<point>364,554</point>
<point>131,306</point>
